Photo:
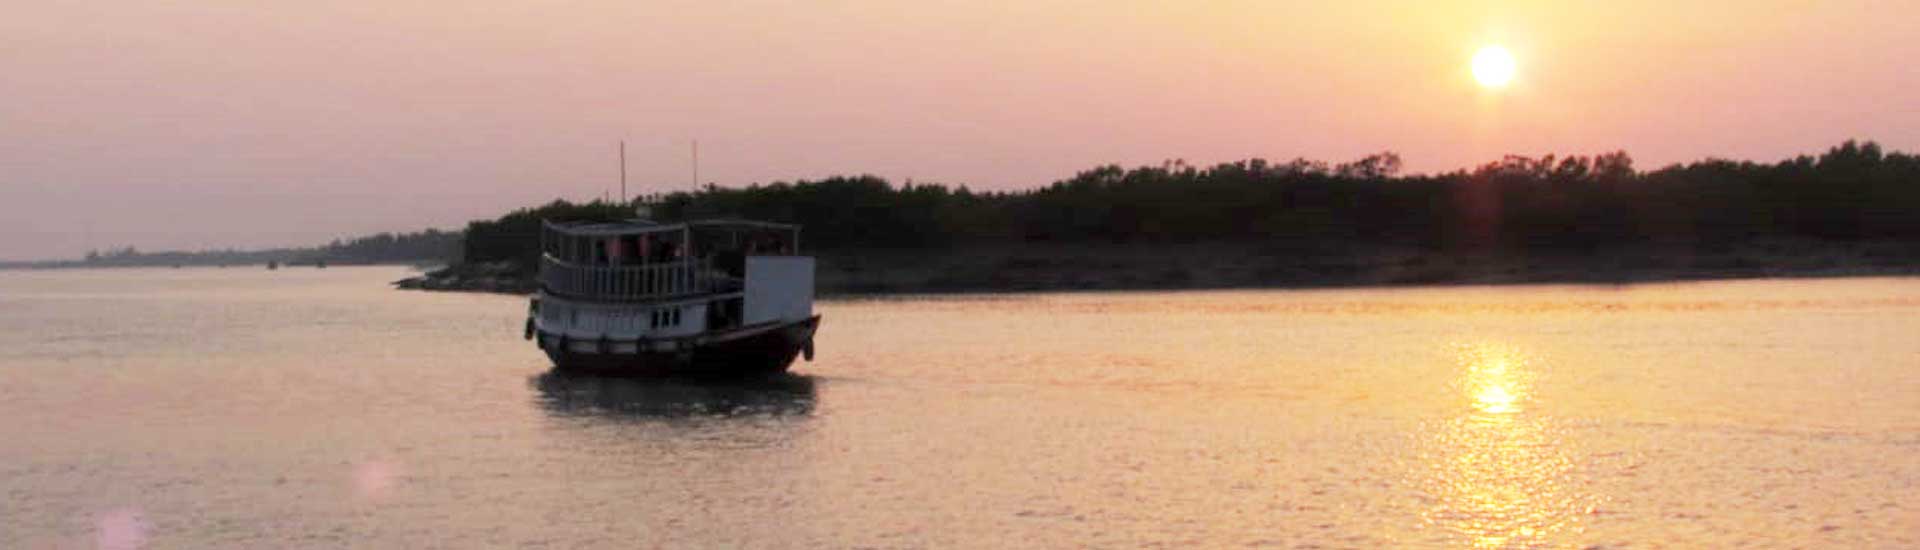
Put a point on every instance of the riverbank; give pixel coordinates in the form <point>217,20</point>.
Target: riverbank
<point>1033,268</point>
<point>501,277</point>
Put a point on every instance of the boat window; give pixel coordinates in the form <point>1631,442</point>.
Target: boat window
<point>666,318</point>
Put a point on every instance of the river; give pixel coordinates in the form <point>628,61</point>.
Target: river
<point>245,408</point>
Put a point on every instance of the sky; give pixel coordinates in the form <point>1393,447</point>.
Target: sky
<point>215,124</point>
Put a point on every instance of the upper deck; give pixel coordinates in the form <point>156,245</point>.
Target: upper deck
<point>640,260</point>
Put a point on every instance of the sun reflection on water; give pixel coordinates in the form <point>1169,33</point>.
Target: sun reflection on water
<point>1496,378</point>
<point>1497,475</point>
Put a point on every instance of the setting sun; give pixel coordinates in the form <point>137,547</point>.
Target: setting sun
<point>1493,67</point>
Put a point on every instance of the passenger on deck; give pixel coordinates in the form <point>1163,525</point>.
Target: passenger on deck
<point>665,251</point>
<point>630,250</point>
<point>613,252</point>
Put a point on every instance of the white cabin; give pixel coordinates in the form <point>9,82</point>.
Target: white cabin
<point>637,285</point>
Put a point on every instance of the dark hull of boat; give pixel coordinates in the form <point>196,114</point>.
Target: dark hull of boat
<point>751,351</point>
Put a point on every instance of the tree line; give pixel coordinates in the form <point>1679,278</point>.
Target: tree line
<point>431,245</point>
<point>1854,191</point>
<point>1577,204</point>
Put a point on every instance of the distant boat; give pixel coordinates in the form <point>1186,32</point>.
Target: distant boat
<point>712,297</point>
<point>319,264</point>
<point>272,265</point>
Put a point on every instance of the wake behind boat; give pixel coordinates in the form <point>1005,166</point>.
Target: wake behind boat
<point>704,298</point>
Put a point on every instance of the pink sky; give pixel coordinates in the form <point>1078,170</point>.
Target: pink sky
<point>169,125</point>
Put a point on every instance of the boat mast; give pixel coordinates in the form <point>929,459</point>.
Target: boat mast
<point>623,171</point>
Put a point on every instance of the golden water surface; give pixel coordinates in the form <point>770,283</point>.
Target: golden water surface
<point>244,408</point>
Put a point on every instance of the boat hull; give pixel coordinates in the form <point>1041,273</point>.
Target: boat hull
<point>748,351</point>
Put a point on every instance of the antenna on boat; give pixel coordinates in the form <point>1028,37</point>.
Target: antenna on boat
<point>623,171</point>
<point>696,165</point>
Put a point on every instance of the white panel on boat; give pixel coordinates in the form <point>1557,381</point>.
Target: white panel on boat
<point>778,288</point>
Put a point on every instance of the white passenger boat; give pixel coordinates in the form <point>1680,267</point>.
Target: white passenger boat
<point>709,297</point>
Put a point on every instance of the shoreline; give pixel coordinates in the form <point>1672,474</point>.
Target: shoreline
<point>1067,268</point>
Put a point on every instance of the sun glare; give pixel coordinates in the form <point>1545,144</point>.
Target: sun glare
<point>1493,67</point>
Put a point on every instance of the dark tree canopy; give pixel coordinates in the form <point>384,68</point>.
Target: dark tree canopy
<point>1853,191</point>
<point>1579,204</point>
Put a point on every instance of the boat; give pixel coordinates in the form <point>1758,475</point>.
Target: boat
<point>719,297</point>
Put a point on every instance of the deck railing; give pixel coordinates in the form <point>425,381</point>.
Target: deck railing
<point>626,282</point>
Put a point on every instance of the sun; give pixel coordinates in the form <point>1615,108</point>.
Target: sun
<point>1493,67</point>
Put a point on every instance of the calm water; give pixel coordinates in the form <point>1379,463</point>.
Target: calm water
<point>315,408</point>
